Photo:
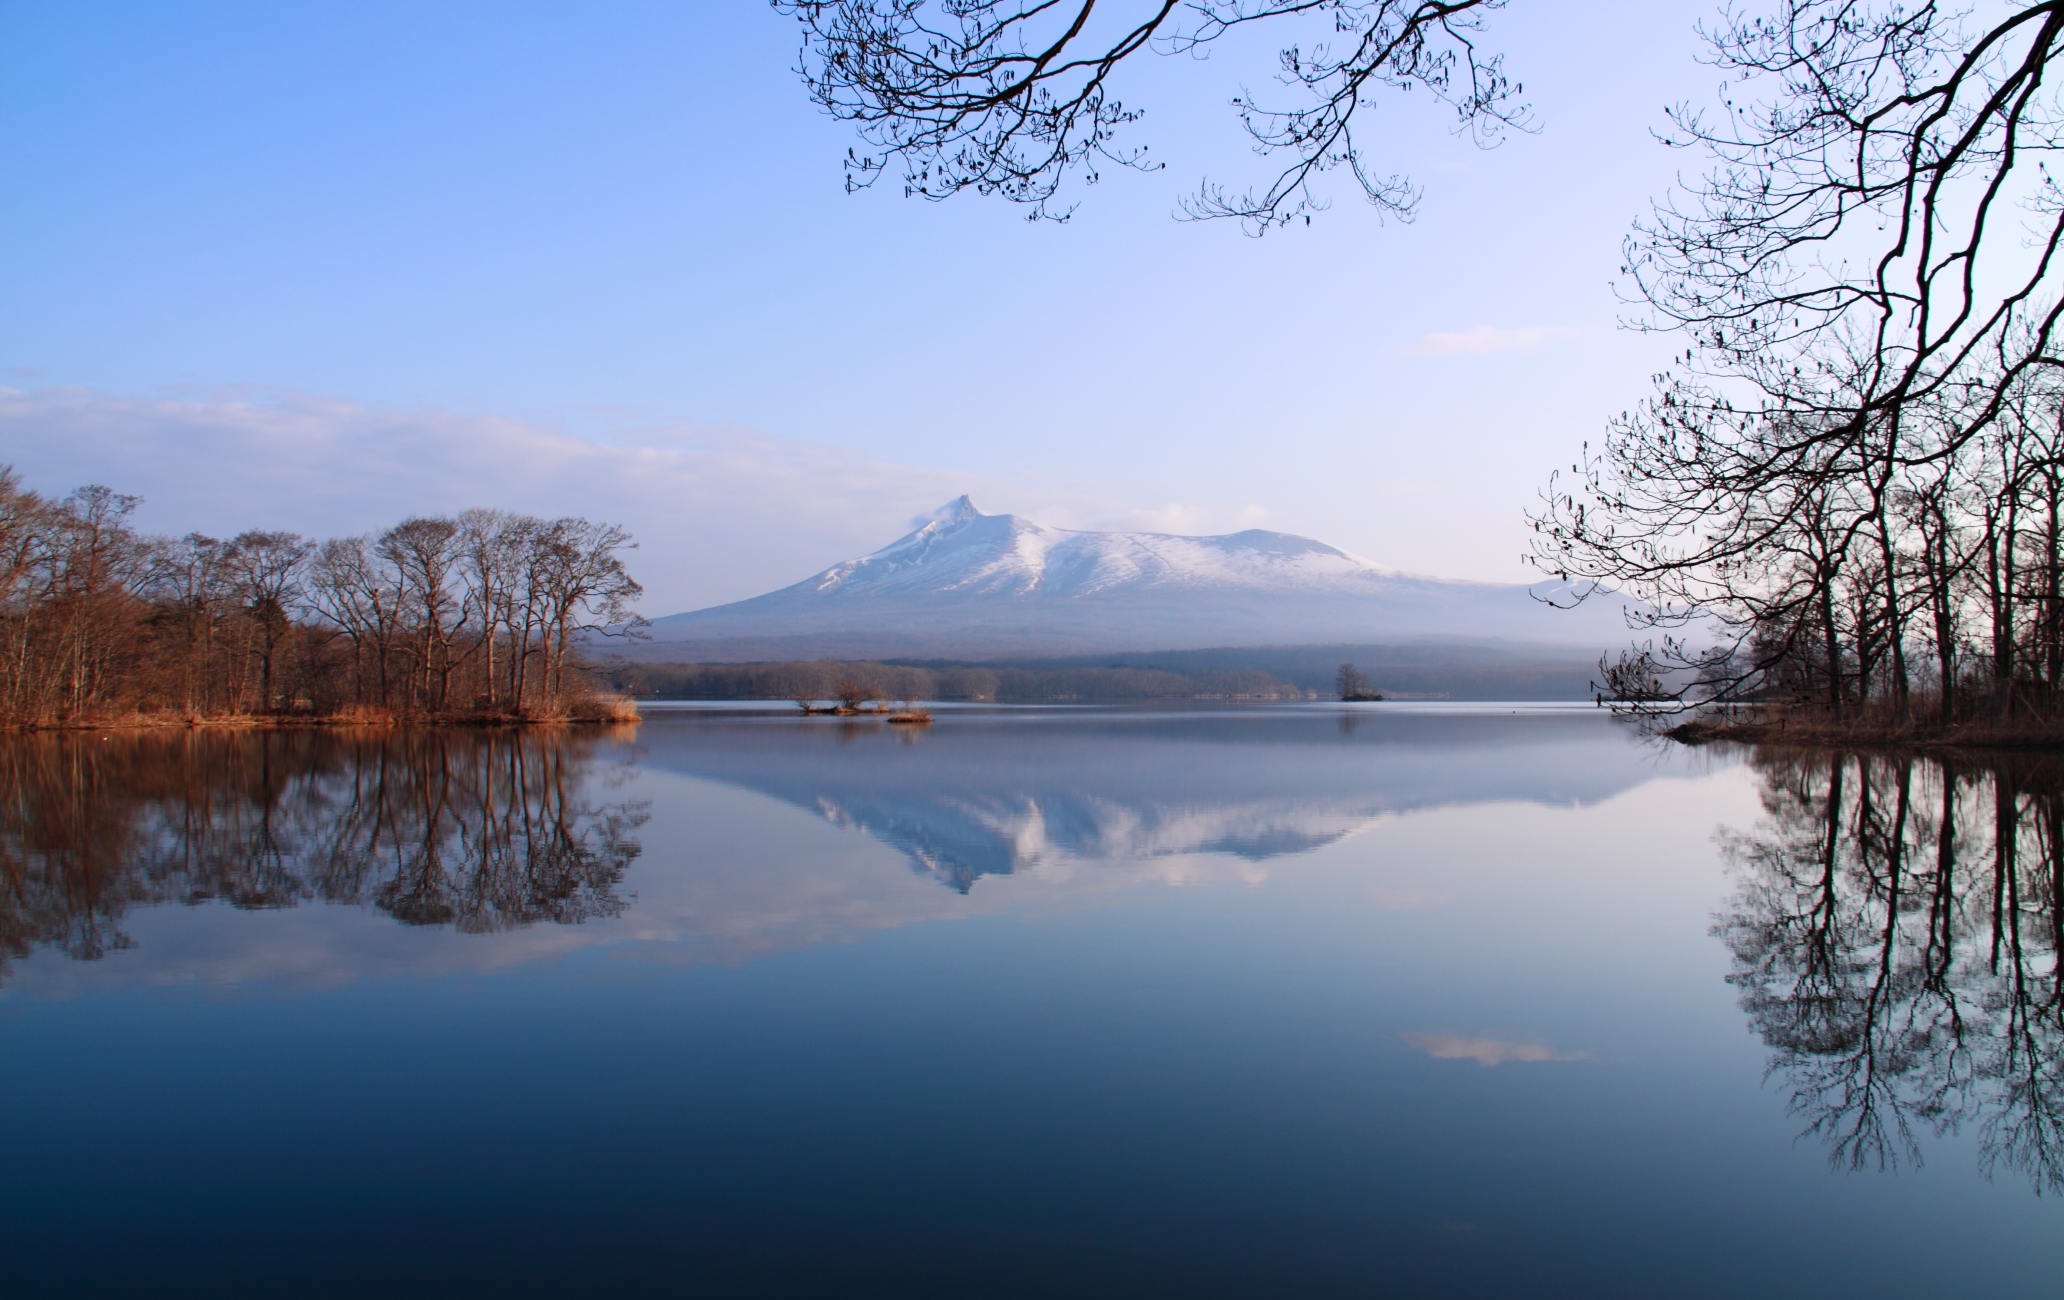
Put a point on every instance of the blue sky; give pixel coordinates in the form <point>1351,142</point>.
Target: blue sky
<point>318,267</point>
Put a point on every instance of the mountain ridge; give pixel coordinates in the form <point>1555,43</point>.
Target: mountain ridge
<point>962,582</point>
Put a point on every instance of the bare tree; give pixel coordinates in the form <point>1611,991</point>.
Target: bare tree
<point>488,543</point>
<point>1016,97</point>
<point>351,589</point>
<point>854,695</point>
<point>432,616</point>
<point>1864,275</point>
<point>192,581</point>
<point>583,585</point>
<point>1876,176</point>
<point>1351,683</point>
<point>424,552</point>
<point>94,568</point>
<point>266,567</point>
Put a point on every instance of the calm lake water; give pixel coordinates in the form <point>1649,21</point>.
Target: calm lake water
<point>1262,1001</point>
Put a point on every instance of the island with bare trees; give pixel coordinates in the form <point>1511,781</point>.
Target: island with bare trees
<point>476,617</point>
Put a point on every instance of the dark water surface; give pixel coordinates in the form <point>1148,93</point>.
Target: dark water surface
<point>1270,1001</point>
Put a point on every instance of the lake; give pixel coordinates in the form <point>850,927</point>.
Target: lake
<point>1392,999</point>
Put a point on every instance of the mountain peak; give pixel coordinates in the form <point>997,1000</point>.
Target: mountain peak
<point>957,511</point>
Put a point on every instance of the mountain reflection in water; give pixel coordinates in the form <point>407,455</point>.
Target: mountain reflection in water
<point>1896,938</point>
<point>997,795</point>
<point>1894,932</point>
<point>479,831</point>
<point>485,831</point>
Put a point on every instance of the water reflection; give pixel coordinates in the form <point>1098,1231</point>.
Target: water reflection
<point>1002,796</point>
<point>478,831</point>
<point>473,832</point>
<point>1484,1050</point>
<point>1896,939</point>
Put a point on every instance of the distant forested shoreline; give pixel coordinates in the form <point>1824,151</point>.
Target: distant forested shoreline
<point>827,679</point>
<point>475,617</point>
<point>1234,674</point>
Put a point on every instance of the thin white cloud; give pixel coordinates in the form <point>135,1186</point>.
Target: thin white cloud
<point>720,514</point>
<point>1487,1051</point>
<point>1481,340</point>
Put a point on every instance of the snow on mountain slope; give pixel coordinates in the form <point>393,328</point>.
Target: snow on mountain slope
<point>963,552</point>
<point>966,583</point>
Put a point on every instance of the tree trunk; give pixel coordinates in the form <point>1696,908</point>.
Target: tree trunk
<point>1833,643</point>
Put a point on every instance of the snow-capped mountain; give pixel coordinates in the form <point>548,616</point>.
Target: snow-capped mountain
<point>960,552</point>
<point>963,583</point>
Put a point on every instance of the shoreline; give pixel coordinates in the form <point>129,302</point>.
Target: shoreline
<point>322,722</point>
<point>1969,737</point>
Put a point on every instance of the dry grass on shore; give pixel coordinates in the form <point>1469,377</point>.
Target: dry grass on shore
<point>600,708</point>
<point>1916,725</point>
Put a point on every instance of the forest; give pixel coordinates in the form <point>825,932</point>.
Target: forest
<point>1879,595</point>
<point>1844,491</point>
<point>478,616</point>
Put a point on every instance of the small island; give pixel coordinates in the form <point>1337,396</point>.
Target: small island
<point>857,700</point>
<point>1354,688</point>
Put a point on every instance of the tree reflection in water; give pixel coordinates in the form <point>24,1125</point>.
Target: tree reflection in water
<point>481,831</point>
<point>1896,938</point>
